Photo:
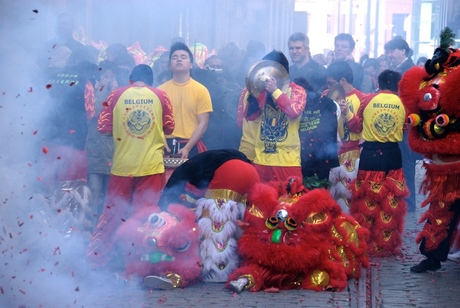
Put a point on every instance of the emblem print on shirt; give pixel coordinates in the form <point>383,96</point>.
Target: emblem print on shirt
<point>384,124</point>
<point>273,129</point>
<point>139,123</point>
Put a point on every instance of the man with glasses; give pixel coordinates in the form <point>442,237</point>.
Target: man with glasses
<point>344,44</point>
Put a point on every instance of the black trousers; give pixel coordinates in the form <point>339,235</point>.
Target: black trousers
<point>442,251</point>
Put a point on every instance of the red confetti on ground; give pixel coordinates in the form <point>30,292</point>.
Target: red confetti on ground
<point>43,270</point>
<point>109,163</point>
<point>272,290</point>
<point>59,157</point>
<point>31,216</point>
<point>20,224</point>
<point>35,132</point>
<point>105,104</point>
<point>30,165</point>
<point>72,83</point>
<point>73,274</point>
<point>45,150</point>
<point>77,289</point>
<point>72,131</point>
<point>48,86</point>
<point>30,90</point>
<point>123,220</point>
<point>57,250</point>
<point>22,291</point>
<point>39,178</point>
<point>1,290</point>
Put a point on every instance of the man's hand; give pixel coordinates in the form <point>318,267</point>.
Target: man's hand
<point>184,152</point>
<point>343,107</point>
<point>270,85</point>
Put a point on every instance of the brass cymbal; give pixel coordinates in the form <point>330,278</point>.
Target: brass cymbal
<point>255,78</point>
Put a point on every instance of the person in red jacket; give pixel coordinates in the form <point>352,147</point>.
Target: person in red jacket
<point>138,116</point>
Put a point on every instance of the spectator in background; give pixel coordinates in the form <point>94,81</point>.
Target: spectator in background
<point>118,53</point>
<point>255,50</point>
<point>344,44</point>
<point>371,71</point>
<point>99,147</point>
<point>137,116</point>
<point>161,68</point>
<point>191,103</point>
<point>231,57</point>
<point>320,59</point>
<point>302,64</point>
<point>64,29</point>
<point>318,136</point>
<point>222,131</point>
<point>400,54</point>
<point>421,61</point>
<point>384,63</point>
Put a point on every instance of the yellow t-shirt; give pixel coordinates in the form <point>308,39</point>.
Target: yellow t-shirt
<point>383,118</point>
<point>188,99</point>
<point>137,117</point>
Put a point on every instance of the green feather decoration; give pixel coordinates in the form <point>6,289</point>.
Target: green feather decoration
<point>447,38</point>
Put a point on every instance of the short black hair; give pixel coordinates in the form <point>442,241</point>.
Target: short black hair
<point>180,46</point>
<point>345,37</point>
<point>400,44</point>
<point>389,80</point>
<point>142,72</point>
<point>340,69</point>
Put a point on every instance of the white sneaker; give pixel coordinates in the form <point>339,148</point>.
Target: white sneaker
<point>454,256</point>
<point>238,285</point>
<point>158,283</point>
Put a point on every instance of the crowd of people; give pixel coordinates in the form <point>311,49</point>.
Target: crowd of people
<point>335,123</point>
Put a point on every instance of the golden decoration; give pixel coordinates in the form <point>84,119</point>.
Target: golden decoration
<point>251,281</point>
<point>316,218</point>
<point>319,278</point>
<point>175,279</point>
<point>335,233</point>
<point>255,211</point>
<point>376,187</point>
<point>441,204</point>
<point>387,235</point>
<point>385,217</point>
<point>439,221</point>
<point>393,202</point>
<point>370,204</point>
<point>223,194</point>
<point>351,232</point>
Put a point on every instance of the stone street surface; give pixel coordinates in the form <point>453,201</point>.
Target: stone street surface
<point>387,283</point>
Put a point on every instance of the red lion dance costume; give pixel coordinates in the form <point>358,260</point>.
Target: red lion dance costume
<point>297,239</point>
<point>432,97</point>
<point>162,244</point>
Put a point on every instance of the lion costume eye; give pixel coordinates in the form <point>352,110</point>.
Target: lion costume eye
<point>156,221</point>
<point>290,224</point>
<point>271,222</point>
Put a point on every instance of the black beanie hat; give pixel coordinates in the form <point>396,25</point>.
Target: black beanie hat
<point>142,72</point>
<point>279,57</point>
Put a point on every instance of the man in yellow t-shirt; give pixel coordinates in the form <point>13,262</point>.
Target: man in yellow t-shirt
<point>191,103</point>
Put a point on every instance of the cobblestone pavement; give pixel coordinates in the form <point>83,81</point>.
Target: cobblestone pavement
<point>387,283</point>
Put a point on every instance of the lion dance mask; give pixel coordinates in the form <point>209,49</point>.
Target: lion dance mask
<point>432,97</point>
<point>164,244</point>
<point>297,239</point>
